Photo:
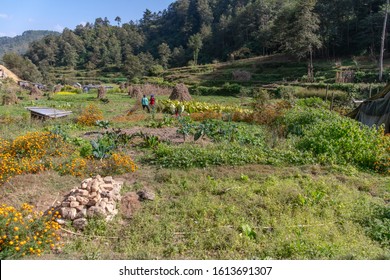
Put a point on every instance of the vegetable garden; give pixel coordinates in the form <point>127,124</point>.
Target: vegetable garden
<point>251,179</point>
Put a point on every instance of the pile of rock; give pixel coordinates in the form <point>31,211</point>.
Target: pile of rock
<point>96,196</point>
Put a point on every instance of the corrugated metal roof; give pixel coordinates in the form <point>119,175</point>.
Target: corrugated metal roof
<point>48,112</point>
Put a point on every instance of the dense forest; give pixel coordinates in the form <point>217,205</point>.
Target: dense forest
<point>201,31</point>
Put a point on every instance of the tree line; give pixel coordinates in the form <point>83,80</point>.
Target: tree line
<point>202,31</point>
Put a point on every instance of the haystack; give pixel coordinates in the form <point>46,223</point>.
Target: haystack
<point>57,88</point>
<point>101,92</point>
<point>181,93</point>
<point>123,87</point>
<point>10,98</point>
<point>135,92</point>
<point>35,93</point>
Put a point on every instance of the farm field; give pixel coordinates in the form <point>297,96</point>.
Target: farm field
<point>247,177</point>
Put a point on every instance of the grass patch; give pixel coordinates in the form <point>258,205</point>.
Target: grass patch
<point>251,212</point>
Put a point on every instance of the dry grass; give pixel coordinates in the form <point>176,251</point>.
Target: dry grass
<point>130,117</point>
<point>40,190</point>
<point>181,93</point>
<point>10,74</point>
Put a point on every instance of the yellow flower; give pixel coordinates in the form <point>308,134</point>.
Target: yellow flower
<point>16,228</point>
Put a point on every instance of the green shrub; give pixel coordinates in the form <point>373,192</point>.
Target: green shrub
<point>220,131</point>
<point>205,91</point>
<point>299,118</point>
<point>342,140</point>
<point>86,150</point>
<point>313,102</point>
<point>231,89</point>
<point>68,88</point>
<point>378,224</point>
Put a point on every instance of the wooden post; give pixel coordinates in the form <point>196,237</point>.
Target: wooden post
<point>326,94</point>
<point>331,103</point>
<point>369,95</point>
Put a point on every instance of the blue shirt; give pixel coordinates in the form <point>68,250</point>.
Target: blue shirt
<point>145,101</point>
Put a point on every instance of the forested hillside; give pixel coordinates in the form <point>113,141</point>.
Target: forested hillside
<point>19,44</point>
<point>202,31</point>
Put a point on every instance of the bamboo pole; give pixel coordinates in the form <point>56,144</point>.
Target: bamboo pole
<point>331,103</point>
<point>369,95</point>
<point>326,94</point>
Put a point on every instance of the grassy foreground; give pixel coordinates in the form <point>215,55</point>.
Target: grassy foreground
<point>247,212</point>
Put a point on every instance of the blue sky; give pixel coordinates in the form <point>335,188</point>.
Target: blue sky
<point>17,16</point>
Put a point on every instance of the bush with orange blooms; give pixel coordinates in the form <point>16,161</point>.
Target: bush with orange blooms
<point>25,232</point>
<point>90,115</point>
<point>30,153</point>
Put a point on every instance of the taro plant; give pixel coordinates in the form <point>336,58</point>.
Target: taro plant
<point>103,124</point>
<point>102,148</point>
<point>117,137</point>
<point>220,131</point>
<point>58,130</point>
<point>165,122</point>
<point>185,126</point>
<point>151,141</point>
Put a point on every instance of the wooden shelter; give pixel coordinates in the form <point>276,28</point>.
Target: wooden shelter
<point>375,110</point>
<point>47,113</point>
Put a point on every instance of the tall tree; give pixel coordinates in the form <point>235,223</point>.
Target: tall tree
<point>118,20</point>
<point>383,41</point>
<point>195,43</point>
<point>297,31</point>
<point>22,67</point>
<point>165,54</point>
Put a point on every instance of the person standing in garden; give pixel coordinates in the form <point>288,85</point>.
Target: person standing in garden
<point>152,102</point>
<point>145,103</point>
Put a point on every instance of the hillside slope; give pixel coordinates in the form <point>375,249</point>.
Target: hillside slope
<point>9,73</point>
<point>19,44</point>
